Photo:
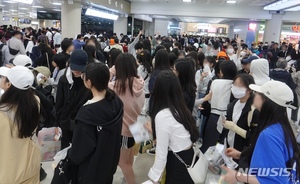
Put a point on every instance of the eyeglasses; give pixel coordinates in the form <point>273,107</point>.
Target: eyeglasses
<point>83,76</point>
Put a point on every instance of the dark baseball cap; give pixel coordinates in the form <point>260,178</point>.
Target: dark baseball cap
<point>78,60</point>
<point>249,59</point>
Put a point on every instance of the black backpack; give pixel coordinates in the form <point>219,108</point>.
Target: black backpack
<point>47,110</point>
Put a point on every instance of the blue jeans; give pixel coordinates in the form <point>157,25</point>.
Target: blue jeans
<point>201,117</point>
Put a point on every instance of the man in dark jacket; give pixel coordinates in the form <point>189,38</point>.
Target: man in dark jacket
<point>282,75</point>
<point>274,55</point>
<point>71,95</point>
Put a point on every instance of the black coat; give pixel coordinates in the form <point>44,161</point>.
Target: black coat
<point>43,60</point>
<point>69,98</point>
<point>96,141</point>
<point>284,76</point>
<point>239,142</point>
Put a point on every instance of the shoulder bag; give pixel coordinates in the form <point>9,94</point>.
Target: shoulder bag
<point>65,172</point>
<point>199,166</point>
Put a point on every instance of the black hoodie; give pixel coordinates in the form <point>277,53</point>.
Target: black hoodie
<point>96,141</point>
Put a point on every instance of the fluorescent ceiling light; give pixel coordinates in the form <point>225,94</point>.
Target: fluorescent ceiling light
<point>42,11</point>
<point>186,1</point>
<point>230,2</point>
<point>10,2</point>
<point>56,10</point>
<point>21,13</point>
<point>19,1</point>
<point>1,5</point>
<point>101,14</point>
<point>23,8</point>
<point>56,4</point>
<point>37,7</point>
<point>34,22</point>
<point>297,8</point>
<point>282,4</point>
<point>13,10</point>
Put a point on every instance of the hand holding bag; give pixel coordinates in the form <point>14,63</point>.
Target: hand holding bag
<point>198,168</point>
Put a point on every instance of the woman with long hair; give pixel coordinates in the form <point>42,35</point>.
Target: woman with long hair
<point>174,128</point>
<point>97,133</point>
<point>274,145</point>
<point>99,55</point>
<point>129,87</point>
<point>242,118</point>
<point>91,52</point>
<point>184,70</point>
<point>59,63</point>
<point>19,113</point>
<point>144,70</point>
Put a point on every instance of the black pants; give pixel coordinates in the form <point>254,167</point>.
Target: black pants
<point>211,134</point>
<point>66,138</point>
<point>176,172</point>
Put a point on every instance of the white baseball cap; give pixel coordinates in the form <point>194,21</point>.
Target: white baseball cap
<point>22,60</point>
<point>3,71</point>
<point>20,77</point>
<point>278,92</point>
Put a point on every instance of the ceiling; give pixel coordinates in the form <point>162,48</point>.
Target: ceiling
<point>239,2</point>
<point>14,9</point>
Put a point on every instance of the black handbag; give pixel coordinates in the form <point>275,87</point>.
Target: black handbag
<point>65,172</point>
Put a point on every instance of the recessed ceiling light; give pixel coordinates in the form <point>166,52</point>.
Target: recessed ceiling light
<point>186,1</point>
<point>23,8</point>
<point>56,10</point>
<point>230,2</point>
<point>56,4</point>
<point>42,11</point>
<point>37,7</point>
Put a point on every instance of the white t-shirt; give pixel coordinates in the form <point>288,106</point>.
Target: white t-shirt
<point>237,112</point>
<point>236,60</point>
<point>169,134</point>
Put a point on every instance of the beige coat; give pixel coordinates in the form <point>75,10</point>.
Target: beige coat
<point>19,158</point>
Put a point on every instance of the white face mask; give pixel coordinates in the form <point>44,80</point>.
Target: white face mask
<point>230,51</point>
<point>238,92</point>
<point>243,53</point>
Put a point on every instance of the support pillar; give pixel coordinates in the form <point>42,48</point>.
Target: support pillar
<point>1,17</point>
<point>231,31</point>
<point>70,19</point>
<point>273,29</point>
<point>161,27</point>
<point>120,26</point>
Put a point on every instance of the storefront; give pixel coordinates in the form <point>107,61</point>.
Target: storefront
<point>206,29</point>
<point>290,33</point>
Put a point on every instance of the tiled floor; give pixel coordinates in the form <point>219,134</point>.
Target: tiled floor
<point>141,167</point>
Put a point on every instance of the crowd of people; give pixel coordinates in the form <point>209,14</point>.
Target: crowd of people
<point>93,87</point>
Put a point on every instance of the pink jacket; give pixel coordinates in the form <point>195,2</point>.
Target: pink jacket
<point>132,104</point>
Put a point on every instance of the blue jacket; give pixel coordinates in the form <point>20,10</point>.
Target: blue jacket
<point>78,44</point>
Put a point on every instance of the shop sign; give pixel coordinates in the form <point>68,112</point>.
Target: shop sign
<point>296,28</point>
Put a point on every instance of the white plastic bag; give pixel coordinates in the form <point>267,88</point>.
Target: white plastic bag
<point>138,131</point>
<point>60,155</point>
<point>49,147</point>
